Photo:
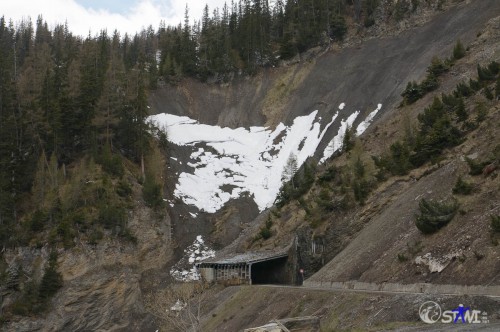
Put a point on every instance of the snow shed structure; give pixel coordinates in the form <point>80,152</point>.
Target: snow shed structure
<point>247,268</point>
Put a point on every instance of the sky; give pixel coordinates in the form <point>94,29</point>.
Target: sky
<point>93,15</point>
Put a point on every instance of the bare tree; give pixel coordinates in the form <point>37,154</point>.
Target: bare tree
<point>290,169</point>
<point>178,307</point>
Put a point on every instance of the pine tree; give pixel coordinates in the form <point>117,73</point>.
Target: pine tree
<point>52,280</point>
<point>458,50</point>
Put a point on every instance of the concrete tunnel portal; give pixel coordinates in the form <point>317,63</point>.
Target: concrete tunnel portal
<point>247,268</point>
<point>271,271</point>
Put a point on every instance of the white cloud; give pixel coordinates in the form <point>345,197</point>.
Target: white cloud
<point>81,19</point>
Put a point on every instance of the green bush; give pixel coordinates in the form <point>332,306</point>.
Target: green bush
<point>361,190</point>
<point>458,50</point>
<point>123,189</point>
<point>415,91</point>
<point>402,257</point>
<point>437,67</point>
<point>429,84</point>
<point>482,112</point>
<point>485,74</point>
<point>21,307</point>
<point>436,133</point>
<point>400,159</point>
<point>111,163</point>
<point>434,215</point>
<point>401,8</point>
<point>462,90</point>
<point>95,236</point>
<point>111,216</point>
<point>369,21</point>
<point>298,186</point>
<point>462,187</point>
<point>494,68</point>
<point>412,92</point>
<point>460,111</point>
<point>38,221</point>
<point>51,281</point>
<point>497,88</point>
<point>151,192</point>
<point>488,93</point>
<point>495,223</point>
<point>338,27</point>
<point>127,235</point>
<point>265,232</point>
<point>325,201</point>
<point>348,140</point>
<point>66,232</point>
<point>329,175</point>
<point>476,167</point>
<point>475,85</point>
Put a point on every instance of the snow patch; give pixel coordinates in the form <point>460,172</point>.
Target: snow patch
<point>178,306</point>
<point>247,160</point>
<point>185,270</point>
<point>366,122</point>
<point>436,264</point>
<point>228,163</point>
<point>336,143</point>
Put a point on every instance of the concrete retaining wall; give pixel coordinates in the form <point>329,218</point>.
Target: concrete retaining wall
<point>408,288</point>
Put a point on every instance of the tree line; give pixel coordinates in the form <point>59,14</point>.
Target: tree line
<point>247,34</point>
<point>65,96</point>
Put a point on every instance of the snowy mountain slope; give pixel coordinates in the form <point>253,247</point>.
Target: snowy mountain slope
<point>228,163</point>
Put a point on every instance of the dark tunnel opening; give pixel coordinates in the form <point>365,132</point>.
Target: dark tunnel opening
<point>270,272</point>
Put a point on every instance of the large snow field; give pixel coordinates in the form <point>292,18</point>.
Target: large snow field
<point>227,163</point>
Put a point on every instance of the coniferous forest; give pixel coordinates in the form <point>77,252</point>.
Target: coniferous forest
<point>65,97</point>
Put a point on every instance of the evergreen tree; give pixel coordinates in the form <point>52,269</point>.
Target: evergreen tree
<point>52,280</point>
<point>458,50</point>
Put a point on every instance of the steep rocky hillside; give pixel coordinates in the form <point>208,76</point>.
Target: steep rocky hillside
<point>377,240</point>
<point>361,75</point>
<point>465,252</point>
<point>104,283</point>
<point>118,285</point>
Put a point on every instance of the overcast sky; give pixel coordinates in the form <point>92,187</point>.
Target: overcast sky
<point>124,15</point>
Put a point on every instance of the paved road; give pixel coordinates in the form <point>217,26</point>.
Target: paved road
<point>330,289</point>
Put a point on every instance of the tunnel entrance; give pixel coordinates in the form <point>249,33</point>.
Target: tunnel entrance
<point>247,268</point>
<point>272,271</point>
